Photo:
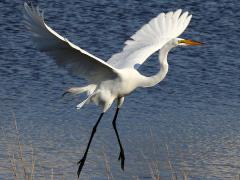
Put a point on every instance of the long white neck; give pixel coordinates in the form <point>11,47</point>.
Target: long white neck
<point>155,79</point>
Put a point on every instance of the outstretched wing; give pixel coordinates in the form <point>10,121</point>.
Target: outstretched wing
<point>65,53</point>
<point>150,38</point>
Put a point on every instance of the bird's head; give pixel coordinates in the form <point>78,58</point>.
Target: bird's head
<point>181,42</point>
<point>186,42</point>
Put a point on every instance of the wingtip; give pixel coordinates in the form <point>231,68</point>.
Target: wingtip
<point>28,4</point>
<point>25,4</point>
<point>179,11</point>
<point>186,12</point>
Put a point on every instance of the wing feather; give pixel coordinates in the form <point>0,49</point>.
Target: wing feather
<point>65,53</point>
<point>150,38</point>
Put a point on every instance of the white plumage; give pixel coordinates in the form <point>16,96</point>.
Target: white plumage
<point>65,53</point>
<point>118,77</point>
<point>150,38</point>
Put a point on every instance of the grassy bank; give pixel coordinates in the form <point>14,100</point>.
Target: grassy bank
<point>23,161</point>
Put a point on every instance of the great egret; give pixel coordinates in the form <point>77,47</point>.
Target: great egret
<point>118,77</point>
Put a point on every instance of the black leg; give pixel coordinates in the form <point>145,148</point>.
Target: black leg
<point>121,154</point>
<point>82,161</point>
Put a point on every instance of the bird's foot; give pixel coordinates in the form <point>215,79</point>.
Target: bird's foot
<point>122,158</point>
<point>81,164</point>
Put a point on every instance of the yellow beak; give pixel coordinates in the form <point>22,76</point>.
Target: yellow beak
<point>190,42</point>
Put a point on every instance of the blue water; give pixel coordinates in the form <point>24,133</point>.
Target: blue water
<point>195,110</point>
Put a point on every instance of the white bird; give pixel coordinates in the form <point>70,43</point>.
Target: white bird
<point>118,77</point>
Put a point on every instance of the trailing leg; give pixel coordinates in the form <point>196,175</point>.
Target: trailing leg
<point>82,161</point>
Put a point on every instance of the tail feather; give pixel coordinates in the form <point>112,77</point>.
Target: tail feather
<point>80,105</point>
<point>78,90</point>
